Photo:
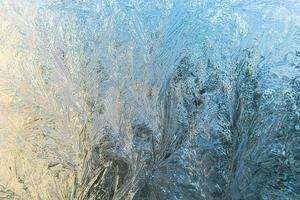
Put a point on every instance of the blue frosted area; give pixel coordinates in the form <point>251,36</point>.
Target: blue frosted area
<point>149,100</point>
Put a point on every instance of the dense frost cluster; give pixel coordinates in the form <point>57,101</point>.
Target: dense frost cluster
<point>149,99</point>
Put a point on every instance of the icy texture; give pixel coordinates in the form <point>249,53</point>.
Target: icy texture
<point>149,100</point>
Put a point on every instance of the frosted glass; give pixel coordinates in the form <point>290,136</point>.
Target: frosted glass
<point>149,99</point>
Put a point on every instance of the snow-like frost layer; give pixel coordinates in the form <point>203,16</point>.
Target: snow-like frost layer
<point>115,99</point>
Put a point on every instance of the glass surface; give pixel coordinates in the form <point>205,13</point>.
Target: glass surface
<point>149,99</point>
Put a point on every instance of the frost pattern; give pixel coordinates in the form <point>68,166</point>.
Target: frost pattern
<point>128,99</point>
